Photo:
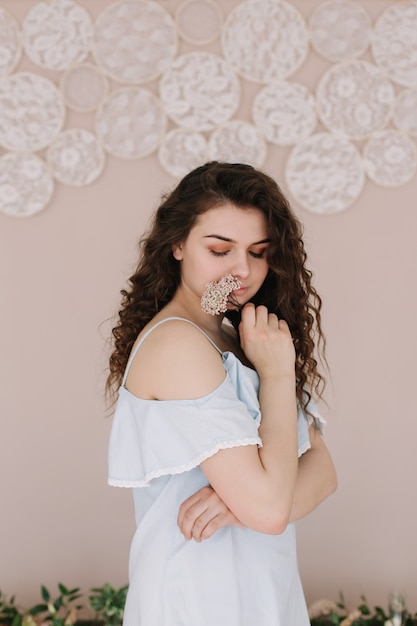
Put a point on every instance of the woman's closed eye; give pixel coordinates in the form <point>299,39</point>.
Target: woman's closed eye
<point>258,255</point>
<point>255,255</point>
<point>219,252</point>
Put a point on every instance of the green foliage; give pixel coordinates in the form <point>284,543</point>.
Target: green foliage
<point>108,603</point>
<point>362,616</point>
<point>59,612</point>
<point>9,613</point>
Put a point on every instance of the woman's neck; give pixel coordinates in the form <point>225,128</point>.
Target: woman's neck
<point>186,304</point>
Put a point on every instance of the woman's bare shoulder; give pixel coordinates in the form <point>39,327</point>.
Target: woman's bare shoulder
<point>175,361</point>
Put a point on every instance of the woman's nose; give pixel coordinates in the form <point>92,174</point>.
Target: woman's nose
<point>241,266</point>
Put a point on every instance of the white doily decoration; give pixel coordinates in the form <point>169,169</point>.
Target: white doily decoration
<point>325,173</point>
<point>32,112</point>
<point>130,123</point>
<point>200,91</point>
<point>10,48</point>
<point>26,185</point>
<point>285,112</point>
<point>405,112</point>
<point>265,39</point>
<point>390,158</point>
<point>57,34</point>
<point>199,21</point>
<point>76,157</point>
<point>134,41</point>
<point>182,151</point>
<point>238,142</point>
<point>355,99</point>
<point>394,45</point>
<point>84,87</point>
<point>340,30</point>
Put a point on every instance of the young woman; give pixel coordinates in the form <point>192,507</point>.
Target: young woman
<point>215,428</point>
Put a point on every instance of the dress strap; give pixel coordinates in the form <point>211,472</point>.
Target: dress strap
<point>148,332</point>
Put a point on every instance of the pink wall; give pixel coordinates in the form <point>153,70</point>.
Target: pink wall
<point>61,272</point>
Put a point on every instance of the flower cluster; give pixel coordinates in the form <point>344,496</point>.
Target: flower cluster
<point>328,613</point>
<point>216,296</point>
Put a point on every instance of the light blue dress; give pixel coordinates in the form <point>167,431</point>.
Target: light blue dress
<point>238,577</point>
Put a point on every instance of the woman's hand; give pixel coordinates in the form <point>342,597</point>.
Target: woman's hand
<point>203,513</point>
<point>267,342</point>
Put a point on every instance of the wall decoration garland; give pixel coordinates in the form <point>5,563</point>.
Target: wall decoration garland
<point>325,173</point>
<point>354,98</point>
<point>238,141</point>
<point>199,22</point>
<point>105,65</point>
<point>76,157</point>
<point>84,87</point>
<point>390,158</point>
<point>134,41</point>
<point>285,112</point>
<point>265,39</point>
<point>340,31</point>
<point>10,47</point>
<point>57,34</point>
<point>26,185</point>
<point>131,123</point>
<point>394,43</point>
<point>200,91</point>
<point>405,112</point>
<point>32,112</point>
<point>182,150</point>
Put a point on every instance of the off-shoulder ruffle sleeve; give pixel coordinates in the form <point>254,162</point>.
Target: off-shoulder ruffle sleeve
<point>304,422</point>
<point>150,438</point>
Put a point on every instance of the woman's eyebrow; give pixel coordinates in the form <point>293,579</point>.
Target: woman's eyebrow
<point>255,243</point>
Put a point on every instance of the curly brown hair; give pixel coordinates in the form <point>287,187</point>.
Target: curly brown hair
<point>286,291</point>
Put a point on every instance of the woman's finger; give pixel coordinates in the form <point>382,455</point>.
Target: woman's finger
<point>261,315</point>
<point>248,315</point>
<point>218,522</point>
<point>191,509</point>
<point>273,320</point>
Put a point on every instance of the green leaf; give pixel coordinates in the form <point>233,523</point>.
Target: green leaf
<point>76,590</point>
<point>334,618</point>
<point>364,609</point>
<point>58,603</point>
<point>72,597</point>
<point>63,590</point>
<point>17,620</point>
<point>381,613</point>
<point>39,608</point>
<point>45,594</point>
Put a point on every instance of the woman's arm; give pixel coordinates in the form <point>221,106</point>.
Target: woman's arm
<point>257,484</point>
<point>203,513</point>
<point>316,478</point>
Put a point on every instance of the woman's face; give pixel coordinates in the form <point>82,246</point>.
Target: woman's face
<point>225,240</point>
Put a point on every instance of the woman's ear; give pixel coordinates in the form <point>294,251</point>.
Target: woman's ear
<point>177,251</point>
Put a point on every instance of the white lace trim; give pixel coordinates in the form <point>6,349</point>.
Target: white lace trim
<point>179,469</point>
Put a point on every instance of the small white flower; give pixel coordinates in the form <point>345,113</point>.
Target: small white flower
<point>216,295</point>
